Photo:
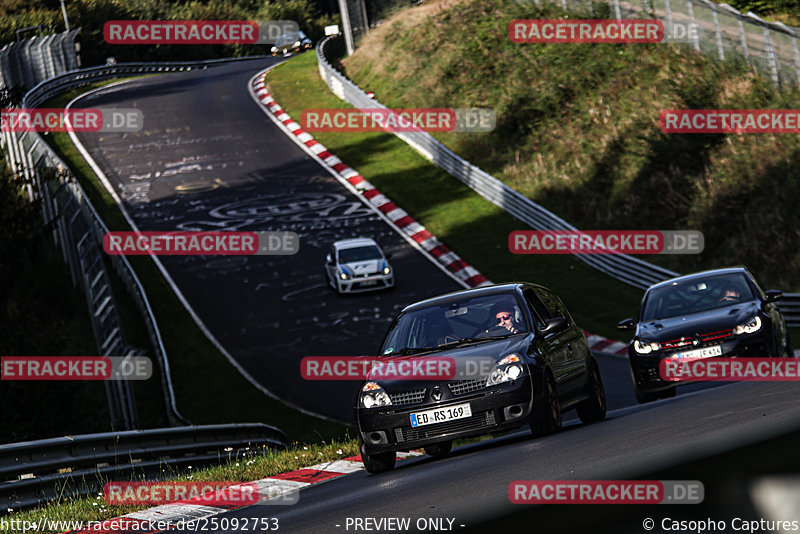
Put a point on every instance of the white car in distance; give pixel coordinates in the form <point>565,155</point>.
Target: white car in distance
<point>359,264</point>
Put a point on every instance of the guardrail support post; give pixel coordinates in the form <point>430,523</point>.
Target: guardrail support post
<point>718,35</point>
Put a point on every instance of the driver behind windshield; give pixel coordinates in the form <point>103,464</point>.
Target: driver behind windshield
<point>732,293</point>
<point>504,316</point>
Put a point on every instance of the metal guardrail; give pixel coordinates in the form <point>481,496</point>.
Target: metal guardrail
<point>40,471</point>
<point>628,269</point>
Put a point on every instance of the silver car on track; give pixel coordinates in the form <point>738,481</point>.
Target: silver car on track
<point>359,264</point>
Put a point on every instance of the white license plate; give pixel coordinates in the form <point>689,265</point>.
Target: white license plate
<point>440,415</point>
<point>369,283</point>
<point>699,354</point>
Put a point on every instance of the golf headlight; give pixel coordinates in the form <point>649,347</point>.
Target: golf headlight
<point>387,270</point>
<point>344,275</point>
<point>297,43</point>
<point>748,327</point>
<point>374,395</point>
<point>506,370</point>
<point>274,48</point>
<point>644,347</point>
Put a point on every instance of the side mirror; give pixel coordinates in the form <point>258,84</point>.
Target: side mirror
<point>328,259</point>
<point>626,324</point>
<point>774,295</point>
<point>556,324</point>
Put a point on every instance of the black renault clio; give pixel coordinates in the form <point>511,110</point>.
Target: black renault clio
<point>722,312</point>
<point>519,359</point>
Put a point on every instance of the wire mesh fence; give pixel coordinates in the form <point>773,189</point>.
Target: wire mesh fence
<point>31,61</point>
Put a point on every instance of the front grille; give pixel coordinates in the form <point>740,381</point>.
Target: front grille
<point>466,386</point>
<point>704,338</point>
<point>408,397</point>
<point>480,420</point>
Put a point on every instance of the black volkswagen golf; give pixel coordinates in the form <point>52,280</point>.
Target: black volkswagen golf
<point>722,312</point>
<point>519,360</point>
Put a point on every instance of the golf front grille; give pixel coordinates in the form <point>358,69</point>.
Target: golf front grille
<point>480,420</point>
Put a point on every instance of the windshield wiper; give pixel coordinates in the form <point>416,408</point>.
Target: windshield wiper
<point>406,351</point>
<point>463,341</point>
<point>502,337</point>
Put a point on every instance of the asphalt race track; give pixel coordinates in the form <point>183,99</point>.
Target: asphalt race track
<point>209,159</point>
<point>471,486</point>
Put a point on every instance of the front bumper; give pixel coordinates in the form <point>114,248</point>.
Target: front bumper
<point>494,409</point>
<point>646,367</point>
<point>368,283</point>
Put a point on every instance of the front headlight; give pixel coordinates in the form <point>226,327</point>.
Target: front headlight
<point>387,270</point>
<point>297,43</point>
<point>645,348</point>
<point>274,49</point>
<point>748,327</point>
<point>506,370</point>
<point>374,395</point>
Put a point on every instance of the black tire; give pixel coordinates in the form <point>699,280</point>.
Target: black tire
<point>593,409</point>
<point>377,463</point>
<point>438,450</point>
<point>551,421</point>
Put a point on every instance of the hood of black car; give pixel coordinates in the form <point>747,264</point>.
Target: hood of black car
<point>704,322</point>
<point>488,350</point>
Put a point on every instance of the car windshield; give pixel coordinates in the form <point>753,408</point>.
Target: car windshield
<point>287,38</point>
<point>696,295</point>
<point>369,252</point>
<point>462,322</point>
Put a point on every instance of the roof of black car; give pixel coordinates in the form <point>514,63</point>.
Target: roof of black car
<point>496,289</point>
<point>700,275</point>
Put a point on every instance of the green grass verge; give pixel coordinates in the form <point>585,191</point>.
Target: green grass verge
<point>255,465</point>
<point>471,226</point>
<point>578,129</point>
<point>208,388</point>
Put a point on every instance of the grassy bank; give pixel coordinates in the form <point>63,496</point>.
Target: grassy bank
<point>41,313</point>
<point>578,129</point>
